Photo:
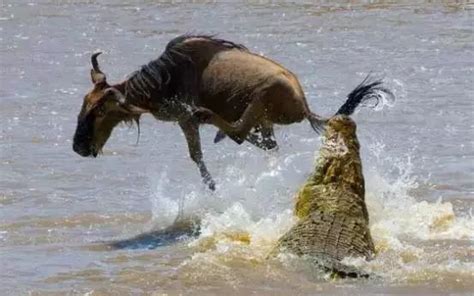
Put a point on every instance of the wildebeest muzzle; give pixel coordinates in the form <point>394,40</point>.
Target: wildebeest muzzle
<point>82,141</point>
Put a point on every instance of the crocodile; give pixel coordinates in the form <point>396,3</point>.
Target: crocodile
<point>333,219</point>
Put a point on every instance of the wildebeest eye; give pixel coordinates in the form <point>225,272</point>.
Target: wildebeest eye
<point>100,110</point>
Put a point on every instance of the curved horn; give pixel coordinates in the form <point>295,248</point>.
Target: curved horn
<point>95,64</point>
<point>97,75</point>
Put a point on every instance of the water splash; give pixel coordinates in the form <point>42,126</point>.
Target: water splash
<point>236,228</point>
<point>395,212</point>
<point>164,210</point>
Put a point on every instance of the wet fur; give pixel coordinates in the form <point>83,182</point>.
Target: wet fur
<point>200,79</point>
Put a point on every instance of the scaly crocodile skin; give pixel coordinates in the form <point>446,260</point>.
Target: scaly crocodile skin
<point>333,216</point>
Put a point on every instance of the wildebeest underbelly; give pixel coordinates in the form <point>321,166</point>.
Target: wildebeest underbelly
<point>228,103</point>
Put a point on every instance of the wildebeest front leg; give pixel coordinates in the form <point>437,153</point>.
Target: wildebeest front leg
<point>191,132</point>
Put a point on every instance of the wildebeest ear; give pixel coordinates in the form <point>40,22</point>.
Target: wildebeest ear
<point>97,76</point>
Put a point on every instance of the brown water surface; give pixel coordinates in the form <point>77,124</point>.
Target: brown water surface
<point>71,225</point>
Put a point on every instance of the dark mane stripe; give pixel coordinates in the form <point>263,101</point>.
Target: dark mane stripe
<point>211,38</point>
<point>162,74</point>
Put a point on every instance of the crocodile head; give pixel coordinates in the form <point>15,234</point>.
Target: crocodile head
<point>338,168</point>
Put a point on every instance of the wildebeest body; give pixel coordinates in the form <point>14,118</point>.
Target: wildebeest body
<point>228,93</point>
<point>200,79</point>
<point>226,81</point>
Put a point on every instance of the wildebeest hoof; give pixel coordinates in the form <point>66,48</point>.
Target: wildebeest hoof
<point>237,139</point>
<point>269,145</point>
<point>203,115</point>
<point>220,135</point>
<point>212,185</point>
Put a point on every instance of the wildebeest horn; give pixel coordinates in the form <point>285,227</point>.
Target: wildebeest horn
<point>96,74</point>
<point>95,64</point>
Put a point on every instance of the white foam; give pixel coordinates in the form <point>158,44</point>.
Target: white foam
<point>237,219</point>
<point>164,209</point>
<point>255,199</point>
<point>394,212</point>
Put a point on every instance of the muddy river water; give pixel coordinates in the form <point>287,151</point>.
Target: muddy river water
<point>60,212</point>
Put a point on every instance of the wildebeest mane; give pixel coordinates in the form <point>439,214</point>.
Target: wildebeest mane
<point>173,74</point>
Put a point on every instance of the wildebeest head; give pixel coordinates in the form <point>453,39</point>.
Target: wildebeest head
<point>103,108</point>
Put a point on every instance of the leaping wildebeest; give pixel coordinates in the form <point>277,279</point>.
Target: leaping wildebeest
<point>201,79</point>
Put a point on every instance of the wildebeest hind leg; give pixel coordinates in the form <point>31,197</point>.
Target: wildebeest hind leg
<point>239,129</point>
<point>261,137</point>
<point>191,132</point>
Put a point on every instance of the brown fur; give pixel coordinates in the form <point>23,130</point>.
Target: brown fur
<point>198,79</point>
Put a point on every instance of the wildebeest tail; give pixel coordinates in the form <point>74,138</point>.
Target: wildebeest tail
<point>369,89</point>
<point>317,122</point>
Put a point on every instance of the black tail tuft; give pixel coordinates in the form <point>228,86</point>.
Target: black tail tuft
<point>369,89</point>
